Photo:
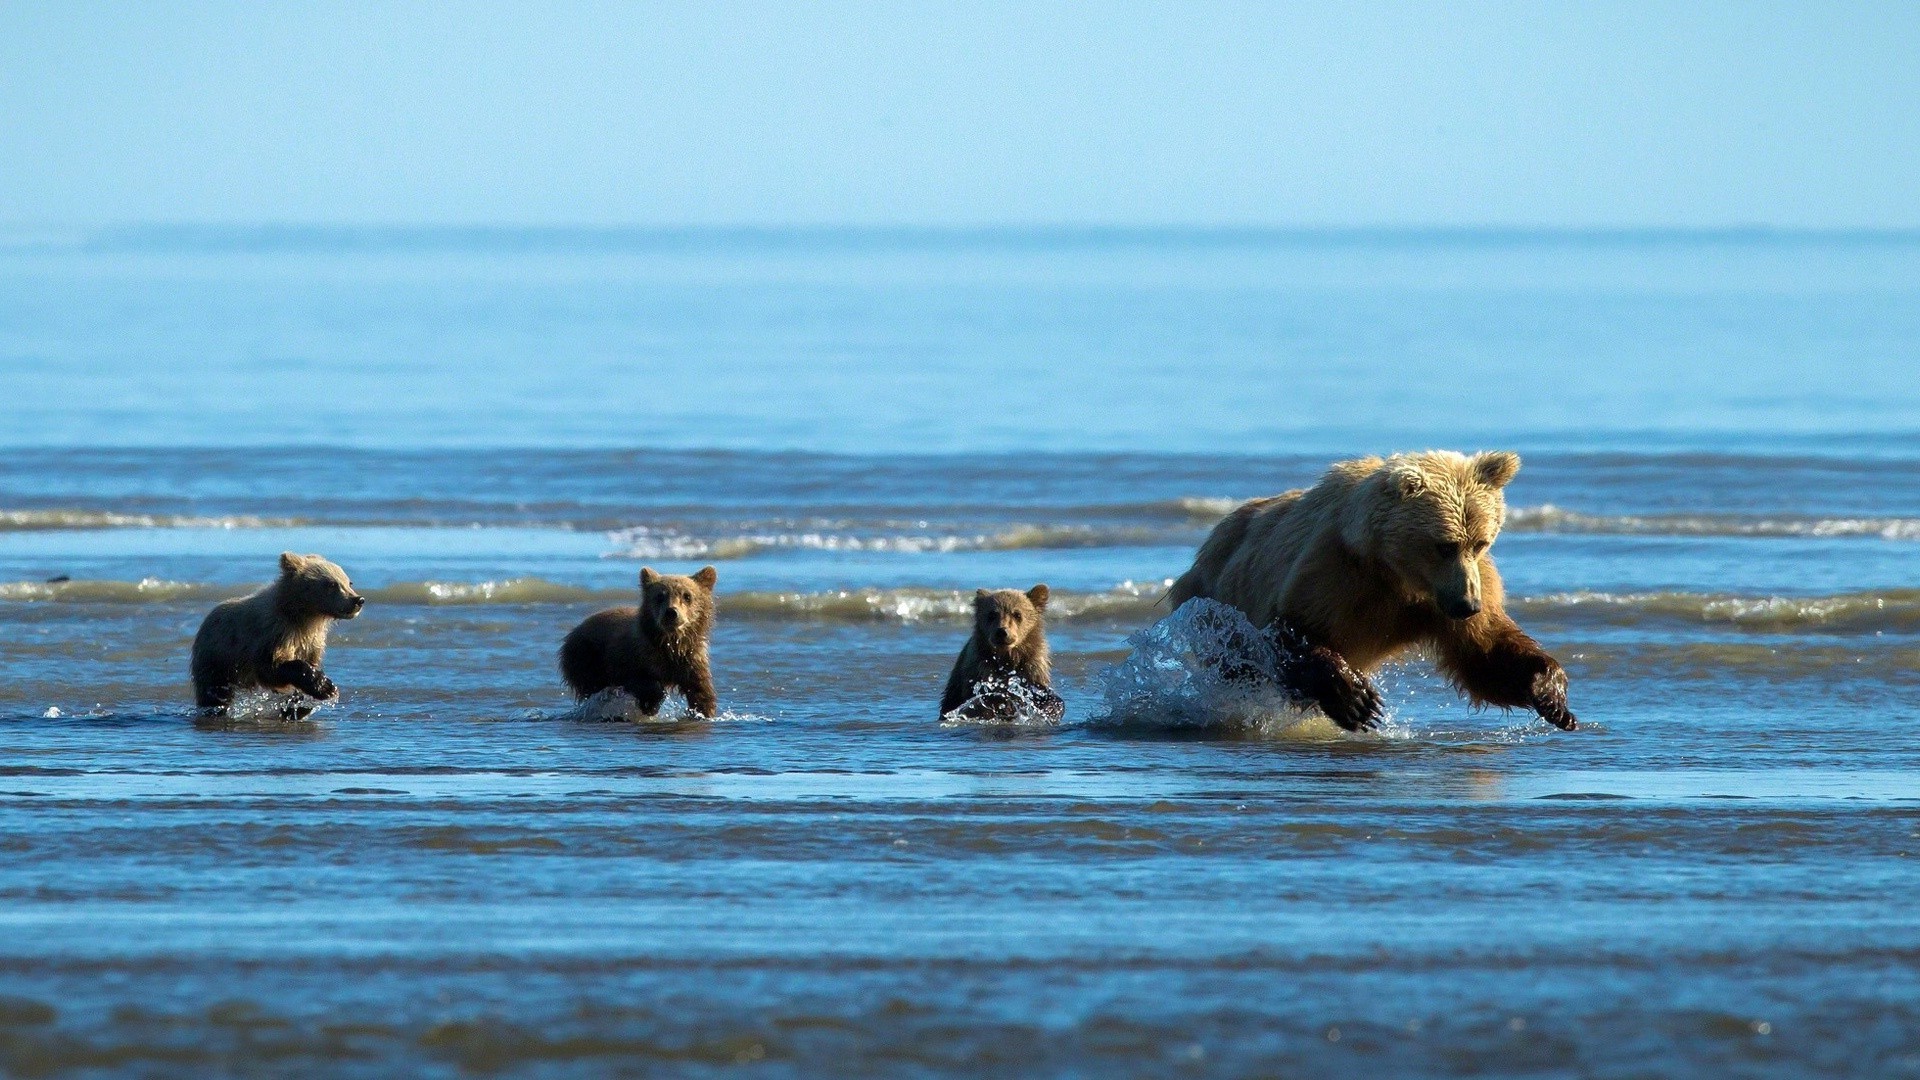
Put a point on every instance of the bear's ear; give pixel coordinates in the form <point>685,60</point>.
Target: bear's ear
<point>1039,594</point>
<point>291,563</point>
<point>1495,467</point>
<point>648,576</point>
<point>706,577</point>
<point>1409,483</point>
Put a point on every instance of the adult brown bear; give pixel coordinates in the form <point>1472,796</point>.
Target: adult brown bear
<point>1378,557</point>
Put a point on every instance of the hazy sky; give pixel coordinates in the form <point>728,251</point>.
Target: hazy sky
<point>1687,114</point>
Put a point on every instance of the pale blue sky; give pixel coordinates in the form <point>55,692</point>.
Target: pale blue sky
<point>1317,114</point>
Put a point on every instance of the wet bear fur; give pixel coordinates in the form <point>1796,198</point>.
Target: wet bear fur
<point>276,638</point>
<point>1008,646</point>
<point>647,651</point>
<point>1378,557</point>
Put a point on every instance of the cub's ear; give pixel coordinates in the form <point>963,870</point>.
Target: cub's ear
<point>648,576</point>
<point>1495,467</point>
<point>979,595</point>
<point>706,577</point>
<point>1039,594</point>
<point>291,563</point>
<point>1408,483</point>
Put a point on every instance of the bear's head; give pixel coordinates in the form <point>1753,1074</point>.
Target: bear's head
<point>1430,517</point>
<point>675,608</point>
<point>1008,621</point>
<point>310,585</point>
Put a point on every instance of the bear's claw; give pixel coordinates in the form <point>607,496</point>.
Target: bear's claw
<point>1319,676</point>
<point>1549,699</point>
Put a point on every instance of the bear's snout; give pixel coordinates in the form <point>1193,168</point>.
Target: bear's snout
<point>1462,608</point>
<point>1000,636</point>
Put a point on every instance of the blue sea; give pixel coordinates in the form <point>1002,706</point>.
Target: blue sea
<point>454,871</point>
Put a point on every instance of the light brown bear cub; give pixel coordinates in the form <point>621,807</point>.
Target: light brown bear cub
<point>1378,557</point>
<point>646,651</point>
<point>275,639</point>
<point>1007,653</point>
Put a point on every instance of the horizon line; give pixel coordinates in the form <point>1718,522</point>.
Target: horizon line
<point>294,234</point>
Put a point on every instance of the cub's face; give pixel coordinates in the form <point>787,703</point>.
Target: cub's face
<point>1449,510</point>
<point>673,605</point>
<point>319,586</point>
<point>1006,619</point>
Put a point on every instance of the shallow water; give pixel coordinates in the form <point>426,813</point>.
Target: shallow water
<point>449,872</point>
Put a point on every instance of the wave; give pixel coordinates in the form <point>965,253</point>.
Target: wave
<point>1860,612</point>
<point>1855,613</point>
<point>1549,518</point>
<point>645,542</point>
<point>917,530</point>
<point>1896,610</point>
<point>54,520</point>
<point>907,604</point>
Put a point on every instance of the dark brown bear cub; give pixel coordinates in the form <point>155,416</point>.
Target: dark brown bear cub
<point>646,651</point>
<point>275,639</point>
<point>1004,668</point>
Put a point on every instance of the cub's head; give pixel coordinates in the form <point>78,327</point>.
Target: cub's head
<point>310,585</point>
<point>1437,514</point>
<point>1008,620</point>
<point>674,607</point>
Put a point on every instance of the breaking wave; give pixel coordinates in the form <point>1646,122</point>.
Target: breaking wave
<point>1128,599</point>
<point>1553,519</point>
<point>54,520</point>
<point>1859,613</point>
<point>1168,522</point>
<point>1885,610</point>
<point>646,542</point>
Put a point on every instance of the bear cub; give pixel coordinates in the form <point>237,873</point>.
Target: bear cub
<point>275,638</point>
<point>646,651</point>
<point>1008,653</point>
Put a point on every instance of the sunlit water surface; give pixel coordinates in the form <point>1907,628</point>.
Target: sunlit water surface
<point>451,871</point>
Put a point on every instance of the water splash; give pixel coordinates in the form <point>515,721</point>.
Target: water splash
<point>1007,703</point>
<point>615,706</point>
<point>1203,668</point>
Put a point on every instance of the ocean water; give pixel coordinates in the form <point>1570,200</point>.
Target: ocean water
<point>450,871</point>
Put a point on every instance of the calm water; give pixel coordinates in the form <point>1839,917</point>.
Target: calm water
<point>1717,530</point>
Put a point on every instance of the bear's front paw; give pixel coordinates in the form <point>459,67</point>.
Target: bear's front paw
<point>1347,697</point>
<point>1549,699</point>
<point>1355,706</point>
<point>323,689</point>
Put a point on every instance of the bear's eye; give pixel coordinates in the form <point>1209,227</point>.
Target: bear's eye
<point>1447,551</point>
<point>1481,547</point>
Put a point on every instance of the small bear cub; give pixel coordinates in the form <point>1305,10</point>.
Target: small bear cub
<point>274,639</point>
<point>646,651</point>
<point>1004,665</point>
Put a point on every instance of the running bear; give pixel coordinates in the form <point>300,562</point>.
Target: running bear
<point>1375,558</point>
<point>646,651</point>
<point>276,638</point>
<point>1007,652</point>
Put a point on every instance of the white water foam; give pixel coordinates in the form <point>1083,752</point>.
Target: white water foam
<point>1005,703</point>
<point>615,706</point>
<point>1176,679</point>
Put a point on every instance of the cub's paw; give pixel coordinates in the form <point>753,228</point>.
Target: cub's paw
<point>324,690</point>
